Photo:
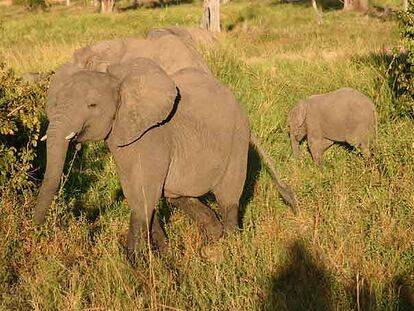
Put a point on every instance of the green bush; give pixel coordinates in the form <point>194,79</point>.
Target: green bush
<point>21,108</point>
<point>33,4</point>
<point>403,64</point>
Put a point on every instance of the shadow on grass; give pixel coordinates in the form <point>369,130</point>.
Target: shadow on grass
<point>404,287</point>
<point>398,294</point>
<point>305,284</point>
<point>254,165</point>
<point>326,5</point>
<point>137,4</point>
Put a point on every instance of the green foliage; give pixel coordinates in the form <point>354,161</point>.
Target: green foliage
<point>33,4</point>
<point>351,248</point>
<point>21,108</point>
<point>403,65</point>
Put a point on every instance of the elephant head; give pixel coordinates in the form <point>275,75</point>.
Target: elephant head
<point>297,126</point>
<point>99,56</point>
<point>121,104</point>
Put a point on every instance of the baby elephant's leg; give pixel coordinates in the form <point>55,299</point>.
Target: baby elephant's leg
<point>202,214</point>
<point>317,147</point>
<point>364,145</point>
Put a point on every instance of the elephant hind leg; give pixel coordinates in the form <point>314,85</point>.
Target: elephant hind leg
<point>201,214</point>
<point>230,188</point>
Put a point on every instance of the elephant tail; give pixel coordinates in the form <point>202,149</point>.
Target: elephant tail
<point>375,125</point>
<point>284,189</point>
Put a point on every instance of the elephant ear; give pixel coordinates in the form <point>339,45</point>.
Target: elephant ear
<point>296,117</point>
<point>147,96</point>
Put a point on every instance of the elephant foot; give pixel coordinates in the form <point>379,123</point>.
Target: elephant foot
<point>230,218</point>
<point>213,230</point>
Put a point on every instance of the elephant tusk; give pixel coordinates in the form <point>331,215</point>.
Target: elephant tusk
<point>70,136</point>
<point>43,138</point>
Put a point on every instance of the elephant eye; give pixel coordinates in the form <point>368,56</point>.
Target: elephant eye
<point>91,105</point>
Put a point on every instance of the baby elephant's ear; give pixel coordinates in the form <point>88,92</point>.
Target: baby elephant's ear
<point>146,98</point>
<point>297,116</point>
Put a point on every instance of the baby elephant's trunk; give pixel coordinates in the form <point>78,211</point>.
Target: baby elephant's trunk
<point>284,189</point>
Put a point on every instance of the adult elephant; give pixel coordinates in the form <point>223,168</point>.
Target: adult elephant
<point>169,51</point>
<point>179,136</point>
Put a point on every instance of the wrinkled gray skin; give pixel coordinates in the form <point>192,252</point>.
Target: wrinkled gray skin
<point>191,36</point>
<point>345,115</point>
<point>178,136</point>
<point>170,52</point>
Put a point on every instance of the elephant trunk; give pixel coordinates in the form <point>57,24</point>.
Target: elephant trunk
<point>57,147</point>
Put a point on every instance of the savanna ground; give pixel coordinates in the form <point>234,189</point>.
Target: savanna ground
<point>351,247</point>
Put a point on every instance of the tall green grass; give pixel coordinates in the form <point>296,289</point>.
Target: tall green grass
<point>349,249</point>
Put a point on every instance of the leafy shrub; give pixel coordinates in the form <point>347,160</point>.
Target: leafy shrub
<point>32,4</point>
<point>403,64</point>
<point>21,108</point>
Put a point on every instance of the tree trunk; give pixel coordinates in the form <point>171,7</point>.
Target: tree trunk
<point>405,5</point>
<point>356,5</point>
<point>317,11</point>
<point>211,15</point>
<point>107,6</point>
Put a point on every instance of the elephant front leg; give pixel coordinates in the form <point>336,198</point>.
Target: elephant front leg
<point>317,148</point>
<point>144,225</point>
<point>295,146</point>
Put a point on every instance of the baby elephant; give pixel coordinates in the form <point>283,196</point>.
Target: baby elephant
<point>345,115</point>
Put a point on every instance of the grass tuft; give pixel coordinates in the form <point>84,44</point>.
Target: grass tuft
<point>349,249</point>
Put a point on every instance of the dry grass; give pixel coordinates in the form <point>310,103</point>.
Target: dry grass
<point>349,249</point>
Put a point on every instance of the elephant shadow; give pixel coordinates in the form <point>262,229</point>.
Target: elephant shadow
<point>303,284</point>
<point>254,166</point>
<point>153,4</point>
<point>326,5</point>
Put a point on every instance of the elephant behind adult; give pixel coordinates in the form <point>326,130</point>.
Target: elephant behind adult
<point>169,52</point>
<point>191,36</point>
<point>344,115</point>
<point>180,136</point>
